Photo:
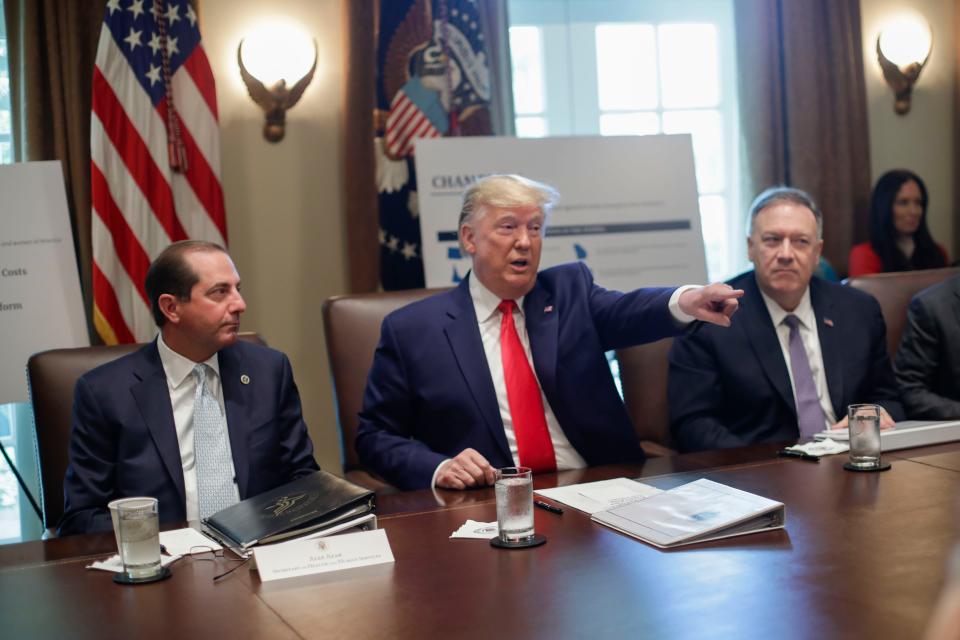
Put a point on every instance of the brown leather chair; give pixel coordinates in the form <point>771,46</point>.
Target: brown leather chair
<point>52,376</point>
<point>351,324</point>
<point>894,291</point>
<point>643,377</point>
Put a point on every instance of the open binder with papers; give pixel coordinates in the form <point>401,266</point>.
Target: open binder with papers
<point>318,503</point>
<point>695,512</point>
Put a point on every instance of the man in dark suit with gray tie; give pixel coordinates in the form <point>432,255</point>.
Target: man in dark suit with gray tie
<point>801,350</point>
<point>196,418</point>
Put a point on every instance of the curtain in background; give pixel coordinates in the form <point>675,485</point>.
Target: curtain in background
<point>51,46</point>
<point>362,118</point>
<point>803,110</point>
<point>359,165</point>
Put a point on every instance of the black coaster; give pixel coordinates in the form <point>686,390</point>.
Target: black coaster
<point>535,541</point>
<point>123,578</point>
<point>882,467</point>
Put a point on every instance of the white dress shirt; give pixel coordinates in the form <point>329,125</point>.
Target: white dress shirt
<point>488,320</point>
<point>811,344</point>
<point>182,385</point>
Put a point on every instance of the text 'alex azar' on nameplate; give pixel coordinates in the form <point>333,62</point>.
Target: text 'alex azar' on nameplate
<point>320,555</point>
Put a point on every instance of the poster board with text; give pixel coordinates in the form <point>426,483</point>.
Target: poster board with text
<point>40,303</point>
<point>628,205</point>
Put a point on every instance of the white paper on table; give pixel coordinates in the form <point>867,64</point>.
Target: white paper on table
<point>592,497</point>
<point>178,542</point>
<point>115,565</point>
<point>476,530</point>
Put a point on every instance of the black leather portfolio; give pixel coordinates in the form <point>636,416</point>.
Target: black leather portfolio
<point>308,504</point>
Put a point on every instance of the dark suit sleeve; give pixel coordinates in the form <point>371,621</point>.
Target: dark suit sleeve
<point>628,319</point>
<point>295,445</point>
<point>695,397</point>
<point>882,387</point>
<point>89,482</point>
<point>917,361</point>
<point>386,443</point>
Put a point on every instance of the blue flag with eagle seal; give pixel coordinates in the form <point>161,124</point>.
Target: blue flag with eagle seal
<point>433,80</point>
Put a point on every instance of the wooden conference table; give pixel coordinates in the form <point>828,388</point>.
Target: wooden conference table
<point>862,555</point>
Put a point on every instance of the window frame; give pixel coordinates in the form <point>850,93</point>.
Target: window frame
<point>577,112</point>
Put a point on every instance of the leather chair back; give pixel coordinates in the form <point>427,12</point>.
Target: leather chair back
<point>894,291</point>
<point>52,376</point>
<point>351,325</point>
<point>643,377</point>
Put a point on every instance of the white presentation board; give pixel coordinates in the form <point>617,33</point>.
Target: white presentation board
<point>628,205</point>
<point>40,303</point>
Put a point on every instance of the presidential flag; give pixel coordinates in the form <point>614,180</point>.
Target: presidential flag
<point>432,80</point>
<point>155,155</point>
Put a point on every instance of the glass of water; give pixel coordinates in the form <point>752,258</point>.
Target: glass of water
<point>137,527</point>
<point>514,490</point>
<point>864,424</point>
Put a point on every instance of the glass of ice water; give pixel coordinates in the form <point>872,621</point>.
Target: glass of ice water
<point>514,490</point>
<point>864,424</point>
<point>137,527</point>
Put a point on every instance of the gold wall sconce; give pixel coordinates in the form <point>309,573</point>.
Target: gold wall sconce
<point>269,58</point>
<point>903,48</point>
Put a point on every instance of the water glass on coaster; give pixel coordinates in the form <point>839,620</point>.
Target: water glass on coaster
<point>514,492</point>
<point>863,420</point>
<point>136,525</point>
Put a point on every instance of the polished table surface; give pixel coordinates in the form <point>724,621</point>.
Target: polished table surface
<point>862,555</point>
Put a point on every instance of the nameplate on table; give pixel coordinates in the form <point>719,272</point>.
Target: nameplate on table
<point>322,555</point>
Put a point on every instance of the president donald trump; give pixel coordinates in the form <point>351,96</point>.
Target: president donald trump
<point>509,367</point>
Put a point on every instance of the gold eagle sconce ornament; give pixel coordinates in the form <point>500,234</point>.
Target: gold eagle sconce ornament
<point>278,98</point>
<point>900,79</point>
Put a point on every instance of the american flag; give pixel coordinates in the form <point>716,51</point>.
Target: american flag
<point>413,114</point>
<point>432,80</point>
<point>149,55</point>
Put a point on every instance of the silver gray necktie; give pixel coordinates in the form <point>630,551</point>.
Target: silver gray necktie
<point>216,489</point>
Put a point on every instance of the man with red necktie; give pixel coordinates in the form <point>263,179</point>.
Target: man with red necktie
<point>509,367</point>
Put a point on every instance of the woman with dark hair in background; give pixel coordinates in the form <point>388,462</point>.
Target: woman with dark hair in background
<point>899,238</point>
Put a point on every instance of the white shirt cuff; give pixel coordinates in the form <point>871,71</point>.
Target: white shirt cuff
<point>436,472</point>
<point>678,315</point>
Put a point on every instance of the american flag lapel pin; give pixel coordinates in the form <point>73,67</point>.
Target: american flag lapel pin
<point>828,322</point>
<point>548,308</point>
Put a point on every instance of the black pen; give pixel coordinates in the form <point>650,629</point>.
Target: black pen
<point>798,454</point>
<point>548,507</point>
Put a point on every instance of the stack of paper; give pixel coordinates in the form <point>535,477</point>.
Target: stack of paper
<point>592,497</point>
<point>906,434</point>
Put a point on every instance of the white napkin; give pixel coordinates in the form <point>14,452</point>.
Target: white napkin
<point>115,565</point>
<point>476,530</point>
<point>825,447</point>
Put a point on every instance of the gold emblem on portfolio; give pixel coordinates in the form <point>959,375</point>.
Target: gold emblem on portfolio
<point>284,504</point>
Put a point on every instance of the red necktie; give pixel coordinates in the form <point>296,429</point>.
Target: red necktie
<point>523,396</point>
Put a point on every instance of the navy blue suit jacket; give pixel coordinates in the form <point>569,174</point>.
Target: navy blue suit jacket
<point>430,395</point>
<point>124,441</point>
<point>729,387</point>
